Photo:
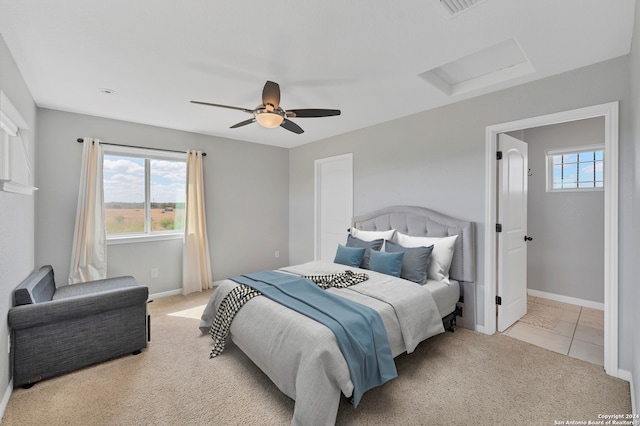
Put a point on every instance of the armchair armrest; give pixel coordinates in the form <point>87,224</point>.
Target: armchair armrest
<point>27,316</point>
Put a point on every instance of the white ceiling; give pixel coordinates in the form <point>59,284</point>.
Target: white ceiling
<point>367,58</point>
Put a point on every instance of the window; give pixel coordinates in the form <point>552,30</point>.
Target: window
<point>144,192</point>
<point>575,169</point>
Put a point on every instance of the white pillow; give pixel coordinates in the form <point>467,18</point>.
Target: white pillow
<point>372,235</point>
<point>441,255</point>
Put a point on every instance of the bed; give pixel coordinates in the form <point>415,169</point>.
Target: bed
<point>302,357</point>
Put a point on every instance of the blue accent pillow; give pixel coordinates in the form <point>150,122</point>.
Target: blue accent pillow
<point>367,245</point>
<point>350,256</point>
<point>415,262</point>
<point>386,263</point>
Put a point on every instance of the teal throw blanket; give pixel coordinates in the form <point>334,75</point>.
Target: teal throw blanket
<point>359,330</point>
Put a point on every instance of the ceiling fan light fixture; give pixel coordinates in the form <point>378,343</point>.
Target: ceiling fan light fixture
<point>269,119</point>
<point>269,114</point>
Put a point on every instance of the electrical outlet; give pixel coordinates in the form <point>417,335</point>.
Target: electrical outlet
<point>154,272</point>
<point>277,254</point>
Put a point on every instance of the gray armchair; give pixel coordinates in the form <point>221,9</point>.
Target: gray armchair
<point>58,330</point>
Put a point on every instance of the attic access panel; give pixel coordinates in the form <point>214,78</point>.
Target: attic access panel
<point>492,65</point>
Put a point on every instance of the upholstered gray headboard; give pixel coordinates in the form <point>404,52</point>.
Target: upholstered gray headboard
<point>422,222</point>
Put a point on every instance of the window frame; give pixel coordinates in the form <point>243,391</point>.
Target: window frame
<point>551,153</point>
<point>147,154</point>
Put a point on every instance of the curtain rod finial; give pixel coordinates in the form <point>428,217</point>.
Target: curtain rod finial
<point>80,140</point>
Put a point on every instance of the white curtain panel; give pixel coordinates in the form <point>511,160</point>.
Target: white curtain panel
<point>196,263</point>
<point>89,254</point>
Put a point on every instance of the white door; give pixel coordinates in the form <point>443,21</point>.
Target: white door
<point>512,240</point>
<point>333,204</point>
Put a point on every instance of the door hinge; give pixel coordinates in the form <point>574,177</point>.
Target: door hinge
<point>498,300</point>
<point>498,227</point>
<point>499,155</point>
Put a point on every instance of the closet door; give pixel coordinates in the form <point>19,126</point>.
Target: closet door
<point>512,240</point>
<point>333,204</point>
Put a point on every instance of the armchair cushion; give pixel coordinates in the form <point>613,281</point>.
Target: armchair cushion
<point>37,287</point>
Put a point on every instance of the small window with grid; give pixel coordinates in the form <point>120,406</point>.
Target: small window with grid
<point>575,169</point>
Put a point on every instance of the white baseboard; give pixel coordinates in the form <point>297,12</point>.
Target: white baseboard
<point>165,294</point>
<point>566,299</point>
<point>5,399</point>
<point>173,292</point>
<point>624,375</point>
<point>634,408</point>
<point>627,376</point>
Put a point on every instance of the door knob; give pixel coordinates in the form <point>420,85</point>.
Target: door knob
<point>527,238</point>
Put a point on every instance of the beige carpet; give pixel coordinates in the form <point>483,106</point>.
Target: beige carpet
<point>451,379</point>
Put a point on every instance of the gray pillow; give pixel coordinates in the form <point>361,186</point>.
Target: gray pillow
<point>367,245</point>
<point>415,262</point>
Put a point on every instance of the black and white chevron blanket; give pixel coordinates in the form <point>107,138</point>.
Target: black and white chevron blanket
<point>340,280</point>
<point>241,294</point>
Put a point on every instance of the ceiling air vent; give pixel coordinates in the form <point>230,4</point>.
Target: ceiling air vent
<point>454,7</point>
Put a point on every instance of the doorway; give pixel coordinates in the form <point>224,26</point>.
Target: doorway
<point>564,264</point>
<point>610,113</point>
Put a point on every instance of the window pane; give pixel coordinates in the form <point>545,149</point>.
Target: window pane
<point>599,155</point>
<point>557,175</point>
<point>586,175</point>
<point>570,158</point>
<point>586,156</point>
<point>168,194</point>
<point>123,194</point>
<point>570,173</point>
<point>599,173</point>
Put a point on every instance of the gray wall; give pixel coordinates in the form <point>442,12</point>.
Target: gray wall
<point>632,268</point>
<point>436,159</point>
<point>245,191</point>
<point>16,213</point>
<point>566,256</point>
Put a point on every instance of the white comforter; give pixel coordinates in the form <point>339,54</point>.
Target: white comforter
<point>302,357</point>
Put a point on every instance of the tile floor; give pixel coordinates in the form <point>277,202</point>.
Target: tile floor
<point>579,333</point>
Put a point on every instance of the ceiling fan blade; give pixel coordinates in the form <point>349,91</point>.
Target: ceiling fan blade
<point>243,123</point>
<point>250,111</point>
<point>312,112</point>
<point>292,127</point>
<point>271,94</point>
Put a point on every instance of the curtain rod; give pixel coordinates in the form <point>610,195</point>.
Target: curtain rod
<point>81,140</point>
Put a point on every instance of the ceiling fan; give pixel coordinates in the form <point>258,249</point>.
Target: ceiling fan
<point>269,114</point>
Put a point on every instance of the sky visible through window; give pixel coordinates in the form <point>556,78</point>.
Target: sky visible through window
<point>124,180</point>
